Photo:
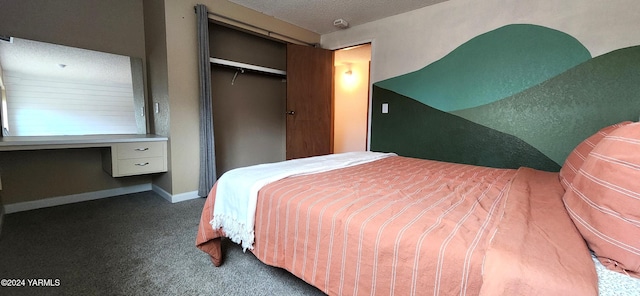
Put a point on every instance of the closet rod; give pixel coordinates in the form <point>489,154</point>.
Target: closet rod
<point>268,33</point>
<point>247,66</point>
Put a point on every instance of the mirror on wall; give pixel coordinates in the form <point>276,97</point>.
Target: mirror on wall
<point>55,90</point>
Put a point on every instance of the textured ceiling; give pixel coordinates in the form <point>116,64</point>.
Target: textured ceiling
<point>318,15</point>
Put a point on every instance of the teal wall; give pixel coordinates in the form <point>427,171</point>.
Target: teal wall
<point>520,95</point>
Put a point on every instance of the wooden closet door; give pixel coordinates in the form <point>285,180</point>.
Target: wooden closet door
<point>309,101</point>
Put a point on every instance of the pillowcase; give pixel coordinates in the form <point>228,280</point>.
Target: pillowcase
<point>575,159</point>
<point>604,200</point>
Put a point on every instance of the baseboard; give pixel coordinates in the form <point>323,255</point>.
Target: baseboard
<point>67,199</point>
<point>177,197</point>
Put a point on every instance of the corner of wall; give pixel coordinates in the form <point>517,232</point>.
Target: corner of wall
<point>157,81</point>
<point>174,198</point>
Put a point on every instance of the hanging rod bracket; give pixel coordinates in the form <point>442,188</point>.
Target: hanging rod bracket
<point>239,70</point>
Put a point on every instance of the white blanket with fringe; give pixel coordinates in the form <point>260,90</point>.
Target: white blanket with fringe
<point>237,190</point>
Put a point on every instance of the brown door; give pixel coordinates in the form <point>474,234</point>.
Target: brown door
<point>309,101</point>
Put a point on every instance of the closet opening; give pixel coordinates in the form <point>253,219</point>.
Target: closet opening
<point>248,83</point>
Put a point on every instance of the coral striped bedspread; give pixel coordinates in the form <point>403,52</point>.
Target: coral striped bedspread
<point>408,226</point>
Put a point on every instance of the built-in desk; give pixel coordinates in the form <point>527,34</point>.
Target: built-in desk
<point>125,155</point>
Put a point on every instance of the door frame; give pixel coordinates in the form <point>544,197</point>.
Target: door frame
<point>371,71</point>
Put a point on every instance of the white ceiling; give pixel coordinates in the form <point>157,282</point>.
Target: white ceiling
<point>318,15</point>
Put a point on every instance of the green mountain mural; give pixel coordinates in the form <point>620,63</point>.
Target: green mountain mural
<point>490,67</point>
<point>521,95</point>
<point>559,113</point>
<point>417,130</point>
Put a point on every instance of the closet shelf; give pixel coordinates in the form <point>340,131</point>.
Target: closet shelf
<point>245,66</point>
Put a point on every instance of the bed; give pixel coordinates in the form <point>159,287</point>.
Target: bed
<point>397,225</point>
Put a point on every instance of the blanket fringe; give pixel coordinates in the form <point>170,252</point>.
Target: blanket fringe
<point>235,230</point>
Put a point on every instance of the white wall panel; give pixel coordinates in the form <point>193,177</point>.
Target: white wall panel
<point>45,106</point>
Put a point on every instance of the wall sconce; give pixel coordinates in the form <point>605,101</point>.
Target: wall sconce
<point>349,78</point>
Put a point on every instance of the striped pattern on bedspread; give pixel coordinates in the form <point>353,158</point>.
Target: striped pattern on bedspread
<point>398,226</point>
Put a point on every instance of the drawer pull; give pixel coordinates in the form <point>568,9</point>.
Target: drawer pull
<point>142,149</point>
<point>142,164</point>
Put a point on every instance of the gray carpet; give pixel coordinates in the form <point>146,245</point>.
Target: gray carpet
<point>136,244</point>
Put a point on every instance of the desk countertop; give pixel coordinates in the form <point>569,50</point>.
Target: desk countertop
<point>63,142</point>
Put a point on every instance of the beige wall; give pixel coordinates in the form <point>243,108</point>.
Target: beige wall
<point>163,34</point>
<point>122,27</point>
<point>114,26</point>
<point>110,26</point>
<point>34,175</point>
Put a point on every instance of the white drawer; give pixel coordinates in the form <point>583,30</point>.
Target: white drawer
<point>140,149</point>
<point>137,166</point>
<point>135,158</point>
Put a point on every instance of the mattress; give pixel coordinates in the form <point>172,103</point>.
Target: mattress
<point>409,226</point>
